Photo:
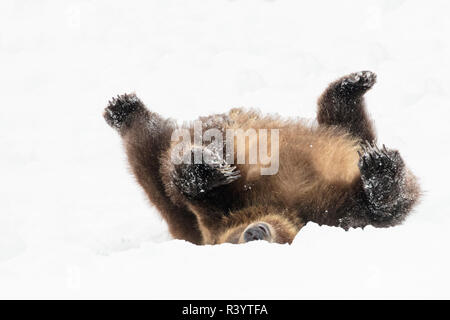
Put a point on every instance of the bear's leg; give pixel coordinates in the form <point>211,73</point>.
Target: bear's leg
<point>389,189</point>
<point>383,195</point>
<point>342,104</point>
<point>146,135</point>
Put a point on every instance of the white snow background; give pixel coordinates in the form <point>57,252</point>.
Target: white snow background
<point>75,224</point>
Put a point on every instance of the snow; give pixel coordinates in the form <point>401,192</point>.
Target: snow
<point>75,224</point>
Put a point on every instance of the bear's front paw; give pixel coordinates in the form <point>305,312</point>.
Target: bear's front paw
<point>119,109</point>
<point>196,180</point>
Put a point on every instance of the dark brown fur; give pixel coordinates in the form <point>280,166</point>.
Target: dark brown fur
<point>330,173</point>
<point>144,145</point>
<point>342,104</point>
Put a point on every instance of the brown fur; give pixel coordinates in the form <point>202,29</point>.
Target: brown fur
<point>327,172</point>
<point>139,138</point>
<point>309,176</point>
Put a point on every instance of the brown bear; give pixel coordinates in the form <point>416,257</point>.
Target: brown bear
<point>330,171</point>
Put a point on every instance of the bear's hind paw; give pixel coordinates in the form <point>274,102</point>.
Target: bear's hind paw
<point>120,108</point>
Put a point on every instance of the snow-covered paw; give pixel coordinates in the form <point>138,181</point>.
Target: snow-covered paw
<point>120,108</point>
<point>221,172</point>
<point>228,174</point>
<point>382,171</point>
<point>196,180</point>
<point>362,78</point>
<point>357,82</point>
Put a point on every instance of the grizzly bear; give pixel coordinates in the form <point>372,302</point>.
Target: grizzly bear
<point>330,171</point>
